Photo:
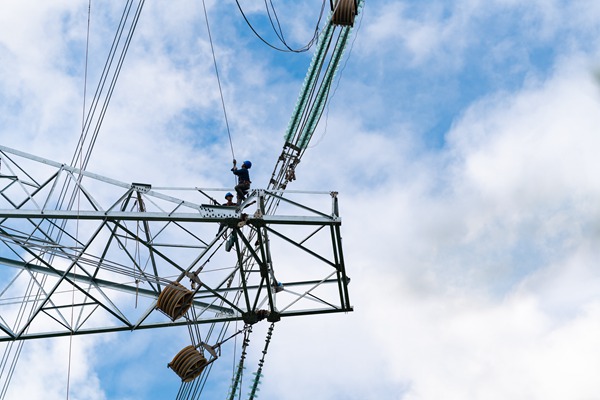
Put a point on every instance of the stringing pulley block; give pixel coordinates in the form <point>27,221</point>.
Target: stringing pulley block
<point>344,12</point>
<point>175,300</point>
<point>188,364</point>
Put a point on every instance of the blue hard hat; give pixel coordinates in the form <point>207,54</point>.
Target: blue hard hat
<point>247,164</point>
<point>228,195</point>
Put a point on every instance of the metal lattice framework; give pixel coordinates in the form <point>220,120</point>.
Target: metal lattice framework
<point>101,265</point>
<point>82,254</point>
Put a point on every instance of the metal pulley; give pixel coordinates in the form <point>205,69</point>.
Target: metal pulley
<point>344,12</point>
<point>175,300</point>
<point>188,363</point>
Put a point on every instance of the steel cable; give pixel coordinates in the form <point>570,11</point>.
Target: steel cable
<point>288,49</point>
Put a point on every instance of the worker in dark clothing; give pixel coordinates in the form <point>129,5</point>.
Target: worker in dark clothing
<point>229,203</point>
<point>229,198</point>
<point>243,180</point>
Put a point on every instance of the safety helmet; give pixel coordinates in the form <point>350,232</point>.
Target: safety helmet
<point>228,195</point>
<point>247,164</point>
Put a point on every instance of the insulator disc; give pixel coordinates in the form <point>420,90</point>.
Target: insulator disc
<point>345,11</point>
<point>175,300</point>
<point>188,364</point>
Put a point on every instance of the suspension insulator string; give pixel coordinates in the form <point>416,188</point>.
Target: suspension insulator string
<point>237,379</point>
<point>258,374</point>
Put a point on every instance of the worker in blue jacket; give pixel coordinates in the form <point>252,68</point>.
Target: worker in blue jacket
<point>243,180</point>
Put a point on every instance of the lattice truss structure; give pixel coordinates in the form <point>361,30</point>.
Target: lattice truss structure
<point>82,254</point>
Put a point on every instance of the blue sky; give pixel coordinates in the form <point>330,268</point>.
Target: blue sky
<point>463,139</point>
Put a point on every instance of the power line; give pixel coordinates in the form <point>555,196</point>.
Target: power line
<point>279,32</point>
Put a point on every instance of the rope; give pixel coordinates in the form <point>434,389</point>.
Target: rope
<point>111,89</point>
<point>103,79</point>
<point>95,101</point>
<point>87,46</point>
<point>218,78</point>
<point>19,346</point>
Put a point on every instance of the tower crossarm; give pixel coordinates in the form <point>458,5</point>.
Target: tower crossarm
<point>102,263</point>
<point>222,216</point>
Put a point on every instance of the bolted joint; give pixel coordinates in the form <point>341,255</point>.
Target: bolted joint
<point>274,316</point>
<point>264,270</point>
<point>253,317</point>
<point>250,317</point>
<point>141,187</point>
<point>242,221</point>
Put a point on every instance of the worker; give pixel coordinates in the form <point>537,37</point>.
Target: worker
<point>229,203</point>
<point>229,198</point>
<point>243,180</point>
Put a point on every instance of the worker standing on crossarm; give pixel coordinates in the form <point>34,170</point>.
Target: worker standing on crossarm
<point>228,203</point>
<point>229,198</point>
<point>243,180</point>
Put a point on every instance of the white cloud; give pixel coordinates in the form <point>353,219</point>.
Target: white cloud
<point>48,363</point>
<point>439,36</point>
<point>473,268</point>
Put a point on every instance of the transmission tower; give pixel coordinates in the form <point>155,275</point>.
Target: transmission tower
<point>83,254</point>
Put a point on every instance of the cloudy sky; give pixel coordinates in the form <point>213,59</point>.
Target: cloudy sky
<point>462,137</point>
